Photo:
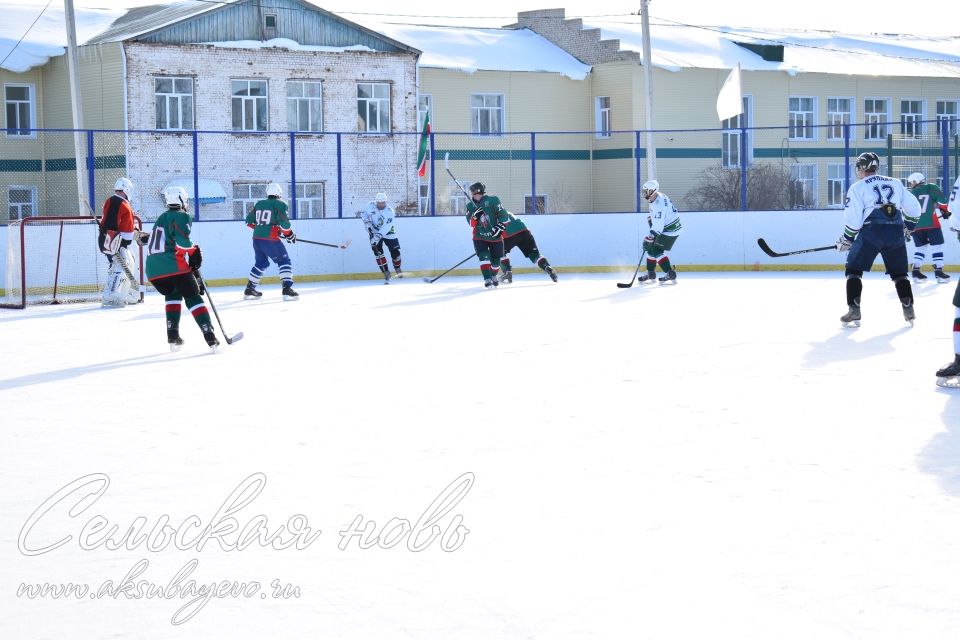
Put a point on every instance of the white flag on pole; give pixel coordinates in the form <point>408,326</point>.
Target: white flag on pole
<point>730,98</point>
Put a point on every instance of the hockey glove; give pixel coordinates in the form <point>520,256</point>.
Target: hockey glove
<point>142,238</point>
<point>375,238</point>
<point>844,243</point>
<point>648,241</point>
<point>906,233</point>
<point>944,211</point>
<point>195,259</point>
<point>290,237</point>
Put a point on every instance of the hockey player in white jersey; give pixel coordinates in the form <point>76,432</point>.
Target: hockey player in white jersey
<point>879,215</point>
<point>665,227</point>
<point>378,217</point>
<point>949,376</point>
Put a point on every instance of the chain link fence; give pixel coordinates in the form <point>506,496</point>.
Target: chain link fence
<point>334,175</point>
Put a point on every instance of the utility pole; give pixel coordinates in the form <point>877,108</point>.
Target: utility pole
<point>79,144</point>
<point>648,80</point>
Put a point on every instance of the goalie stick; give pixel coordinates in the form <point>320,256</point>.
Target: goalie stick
<point>230,339</point>
<point>773,254</point>
<point>450,269</point>
<point>325,244</point>
<point>627,285</point>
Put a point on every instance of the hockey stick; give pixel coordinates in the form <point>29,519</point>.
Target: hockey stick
<point>450,269</point>
<point>627,285</point>
<point>325,244</point>
<point>230,339</point>
<point>773,254</point>
<point>446,165</point>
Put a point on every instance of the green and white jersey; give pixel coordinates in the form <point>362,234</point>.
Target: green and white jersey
<point>169,245</point>
<point>663,216</point>
<point>930,196</point>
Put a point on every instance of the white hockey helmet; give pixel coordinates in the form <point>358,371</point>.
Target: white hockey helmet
<point>914,179</point>
<point>380,197</point>
<point>273,189</point>
<point>123,184</point>
<point>175,197</point>
<point>649,188</point>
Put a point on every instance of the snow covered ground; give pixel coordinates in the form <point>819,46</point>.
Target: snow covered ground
<point>717,459</point>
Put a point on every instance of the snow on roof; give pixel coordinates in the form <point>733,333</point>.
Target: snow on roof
<point>483,49</point>
<point>282,43</point>
<point>48,37</point>
<point>677,46</point>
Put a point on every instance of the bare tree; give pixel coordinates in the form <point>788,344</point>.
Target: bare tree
<point>718,189</point>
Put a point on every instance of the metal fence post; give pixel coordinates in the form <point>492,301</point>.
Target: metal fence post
<point>91,164</point>
<point>945,134</point>
<point>533,172</point>
<point>846,158</point>
<point>293,175</point>
<point>433,179</point>
<point>636,164</point>
<point>196,178</point>
<point>743,167</point>
<point>339,177</point>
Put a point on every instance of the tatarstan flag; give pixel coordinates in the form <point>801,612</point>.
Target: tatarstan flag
<point>424,145</point>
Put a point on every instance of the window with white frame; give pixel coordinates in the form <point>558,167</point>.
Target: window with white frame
<point>730,146</point>
<point>801,119</point>
<point>424,106</point>
<point>948,115</point>
<point>486,113</point>
<point>458,201</point>
<point>309,199</point>
<point>373,107</point>
<point>249,105</point>
<point>21,202</point>
<point>839,114</point>
<point>803,186</point>
<point>528,204</point>
<point>876,115</point>
<point>18,102</point>
<point>602,117</point>
<point>911,117</point>
<point>174,102</point>
<point>836,178</point>
<point>304,105</point>
<point>245,195</point>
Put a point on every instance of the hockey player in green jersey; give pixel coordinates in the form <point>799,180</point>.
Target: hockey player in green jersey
<point>933,206</point>
<point>488,218</point>
<point>516,234</point>
<point>269,221</point>
<point>170,265</point>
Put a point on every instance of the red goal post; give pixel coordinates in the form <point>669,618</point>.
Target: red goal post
<point>55,259</point>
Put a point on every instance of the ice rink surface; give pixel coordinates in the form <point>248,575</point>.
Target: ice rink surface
<point>717,459</point>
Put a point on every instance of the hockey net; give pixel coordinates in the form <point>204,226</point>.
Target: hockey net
<point>54,260</point>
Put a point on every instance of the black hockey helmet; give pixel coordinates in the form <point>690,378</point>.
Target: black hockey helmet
<point>868,161</point>
<point>478,187</point>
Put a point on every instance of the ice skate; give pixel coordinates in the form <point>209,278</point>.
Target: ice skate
<point>251,293</point>
<point>506,277</point>
<point>210,337</point>
<point>490,282</point>
<point>941,276</point>
<point>289,295</point>
<point>650,278</point>
<point>909,314</point>
<point>669,278</point>
<point>174,340</point>
<point>852,317</point>
<point>399,273</point>
<point>551,272</point>
<point>949,376</point>
<point>917,275</point>
<point>386,277</point>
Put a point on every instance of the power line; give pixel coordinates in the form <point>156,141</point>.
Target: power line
<point>25,33</point>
